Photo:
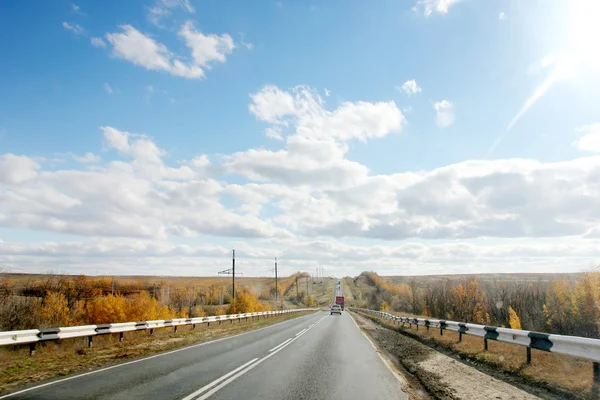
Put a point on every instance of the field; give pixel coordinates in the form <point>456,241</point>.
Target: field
<point>428,280</point>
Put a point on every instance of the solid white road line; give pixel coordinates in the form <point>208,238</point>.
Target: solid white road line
<point>231,379</point>
<point>383,358</point>
<point>302,331</point>
<point>279,345</point>
<point>140,360</point>
<point>216,381</point>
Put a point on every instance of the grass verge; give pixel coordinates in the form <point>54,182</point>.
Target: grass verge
<point>559,375</point>
<point>56,359</point>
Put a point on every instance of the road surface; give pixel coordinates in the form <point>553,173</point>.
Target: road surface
<point>318,356</point>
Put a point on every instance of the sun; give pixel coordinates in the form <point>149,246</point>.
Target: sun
<point>583,33</point>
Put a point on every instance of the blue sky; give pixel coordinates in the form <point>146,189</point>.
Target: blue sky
<point>409,101</point>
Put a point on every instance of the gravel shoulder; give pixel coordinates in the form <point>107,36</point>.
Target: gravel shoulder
<point>434,374</point>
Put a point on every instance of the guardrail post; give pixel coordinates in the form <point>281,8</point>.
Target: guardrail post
<point>441,330</point>
<point>151,331</point>
<point>175,328</point>
<point>32,349</point>
<point>120,336</point>
<point>485,344</point>
<point>460,337</point>
<point>90,341</point>
<point>193,326</point>
<point>528,355</point>
<point>596,381</point>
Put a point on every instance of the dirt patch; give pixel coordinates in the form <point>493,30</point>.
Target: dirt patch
<point>443,377</point>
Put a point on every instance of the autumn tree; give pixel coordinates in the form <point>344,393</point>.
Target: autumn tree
<point>384,307</point>
<point>469,303</point>
<point>560,308</point>
<point>245,302</point>
<point>514,321</point>
<point>55,310</point>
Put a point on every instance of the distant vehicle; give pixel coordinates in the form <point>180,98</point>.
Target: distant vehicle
<point>339,300</point>
<point>336,309</point>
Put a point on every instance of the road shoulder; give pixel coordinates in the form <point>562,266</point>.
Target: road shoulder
<point>433,374</point>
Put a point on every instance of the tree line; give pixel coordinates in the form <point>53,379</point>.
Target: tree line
<point>562,305</point>
<point>63,300</point>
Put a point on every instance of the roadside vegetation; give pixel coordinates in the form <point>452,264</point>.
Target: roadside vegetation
<point>43,301</point>
<point>560,304</point>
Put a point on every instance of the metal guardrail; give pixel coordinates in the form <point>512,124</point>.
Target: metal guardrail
<point>576,346</point>
<point>33,336</point>
<point>585,348</point>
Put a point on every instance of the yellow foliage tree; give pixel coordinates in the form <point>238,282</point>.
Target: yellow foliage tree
<point>107,309</point>
<point>560,308</point>
<point>469,302</point>
<point>55,310</point>
<point>514,320</point>
<point>311,301</point>
<point>385,307</point>
<point>245,302</point>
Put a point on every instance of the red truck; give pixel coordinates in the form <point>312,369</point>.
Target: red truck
<point>340,300</point>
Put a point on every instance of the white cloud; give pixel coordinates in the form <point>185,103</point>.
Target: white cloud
<point>141,49</point>
<point>184,4</point>
<point>162,9</point>
<point>590,141</point>
<point>444,111</point>
<point>146,256</point>
<point>430,6</point>
<point>135,47</point>
<point>76,9</point>
<point>206,48</point>
<point>274,133</point>
<point>108,88</point>
<point>300,203</point>
<point>314,153</point>
<point>249,46</point>
<point>409,87</point>
<point>17,169</point>
<point>271,103</point>
<point>97,42</point>
<point>327,92</point>
<point>87,158</point>
<point>502,16</point>
<point>78,30</point>
<point>140,147</point>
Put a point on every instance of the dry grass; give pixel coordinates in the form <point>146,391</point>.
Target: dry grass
<point>565,372</point>
<point>55,359</point>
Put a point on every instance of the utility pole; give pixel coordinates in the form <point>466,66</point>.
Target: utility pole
<point>231,271</point>
<point>307,276</point>
<point>276,286</point>
<point>297,295</point>
<point>113,286</point>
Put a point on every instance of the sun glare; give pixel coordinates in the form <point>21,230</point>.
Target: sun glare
<point>583,33</point>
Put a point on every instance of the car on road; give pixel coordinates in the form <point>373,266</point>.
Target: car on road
<point>336,309</point>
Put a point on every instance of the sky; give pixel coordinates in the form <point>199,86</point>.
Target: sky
<point>407,137</point>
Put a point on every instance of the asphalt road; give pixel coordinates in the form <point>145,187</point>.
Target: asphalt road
<point>318,356</point>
